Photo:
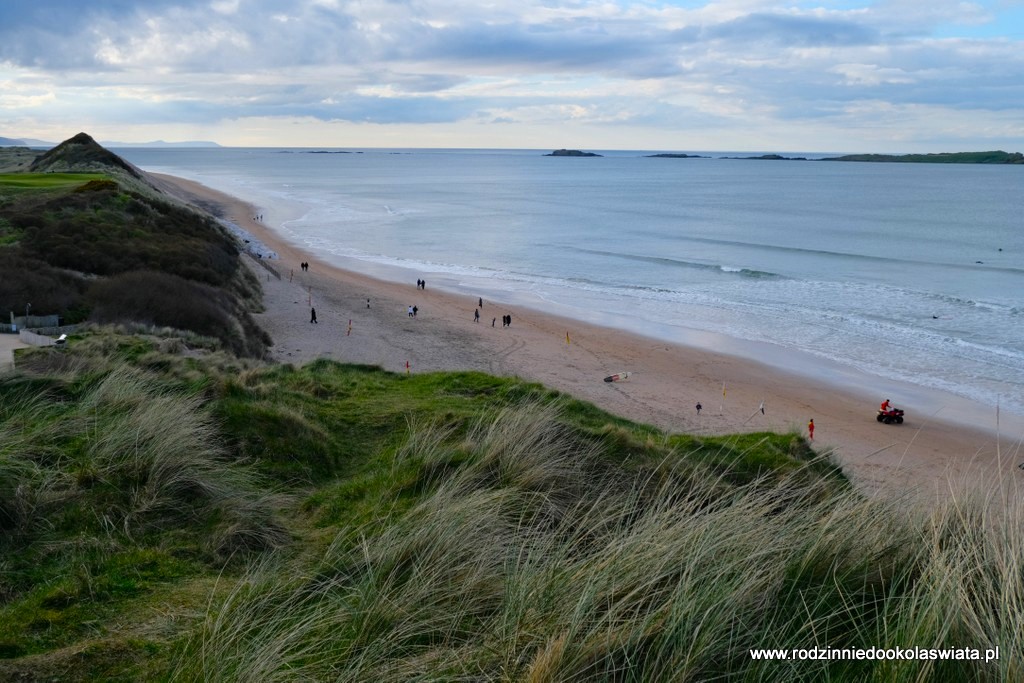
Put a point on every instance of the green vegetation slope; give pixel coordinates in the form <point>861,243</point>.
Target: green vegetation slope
<point>85,245</point>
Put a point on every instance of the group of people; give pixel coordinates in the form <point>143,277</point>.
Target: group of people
<point>421,284</point>
<point>304,265</point>
<point>413,310</point>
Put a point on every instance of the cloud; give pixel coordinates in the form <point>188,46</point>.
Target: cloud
<point>618,65</point>
<point>793,30</point>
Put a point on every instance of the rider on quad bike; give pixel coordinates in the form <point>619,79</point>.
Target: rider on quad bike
<point>888,413</point>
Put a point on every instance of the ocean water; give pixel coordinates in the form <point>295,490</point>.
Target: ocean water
<point>908,272</point>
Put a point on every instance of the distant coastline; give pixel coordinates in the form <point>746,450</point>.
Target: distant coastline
<point>27,146</point>
<point>995,157</point>
<point>990,157</point>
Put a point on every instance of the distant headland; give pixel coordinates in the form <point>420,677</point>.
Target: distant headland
<point>996,157</point>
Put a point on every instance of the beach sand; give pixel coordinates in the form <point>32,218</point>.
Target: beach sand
<point>923,455</point>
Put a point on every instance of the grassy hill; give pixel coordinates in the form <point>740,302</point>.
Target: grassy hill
<point>86,246</point>
<point>174,508</point>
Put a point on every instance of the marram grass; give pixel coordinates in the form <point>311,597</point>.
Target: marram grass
<point>530,560</point>
<point>453,526</point>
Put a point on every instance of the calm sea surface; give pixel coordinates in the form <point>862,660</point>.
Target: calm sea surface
<point>902,271</point>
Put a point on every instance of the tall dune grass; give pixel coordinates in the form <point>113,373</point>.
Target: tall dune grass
<point>528,559</point>
<point>128,456</point>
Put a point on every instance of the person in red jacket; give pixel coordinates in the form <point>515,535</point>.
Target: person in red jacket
<point>810,429</point>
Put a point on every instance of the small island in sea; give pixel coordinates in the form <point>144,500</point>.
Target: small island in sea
<point>571,153</point>
<point>671,155</point>
<point>771,157</point>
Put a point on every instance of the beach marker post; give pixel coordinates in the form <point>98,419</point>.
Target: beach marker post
<point>407,367</point>
<point>567,338</point>
<point>760,409</point>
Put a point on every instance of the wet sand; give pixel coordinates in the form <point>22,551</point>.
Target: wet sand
<point>925,454</point>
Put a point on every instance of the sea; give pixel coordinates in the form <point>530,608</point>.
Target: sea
<point>888,277</point>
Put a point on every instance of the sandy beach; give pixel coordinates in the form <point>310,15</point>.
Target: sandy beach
<point>365,320</point>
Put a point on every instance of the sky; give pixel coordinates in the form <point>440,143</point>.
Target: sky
<point>895,76</point>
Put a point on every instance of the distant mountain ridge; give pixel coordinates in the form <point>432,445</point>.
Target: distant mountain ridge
<point>31,142</point>
<point>23,142</point>
<point>161,143</point>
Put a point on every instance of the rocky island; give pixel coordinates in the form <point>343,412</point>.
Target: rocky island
<point>770,157</point>
<point>571,153</point>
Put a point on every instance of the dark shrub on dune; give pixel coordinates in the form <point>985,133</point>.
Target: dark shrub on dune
<point>106,232</point>
<point>30,281</point>
<point>166,300</point>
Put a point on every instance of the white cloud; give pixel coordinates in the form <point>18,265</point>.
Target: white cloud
<point>870,74</point>
<point>617,70</point>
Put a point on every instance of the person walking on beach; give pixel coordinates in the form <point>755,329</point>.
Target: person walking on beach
<point>699,406</point>
<point>810,429</point>
<point>415,310</point>
<point>481,302</point>
<point>476,315</point>
<point>410,311</point>
<point>493,320</point>
<point>312,316</point>
<point>509,318</point>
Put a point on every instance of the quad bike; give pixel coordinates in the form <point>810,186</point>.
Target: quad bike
<point>890,416</point>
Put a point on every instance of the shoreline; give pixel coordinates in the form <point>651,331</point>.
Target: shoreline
<point>924,454</point>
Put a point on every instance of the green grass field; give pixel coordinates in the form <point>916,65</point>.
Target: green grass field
<point>45,181</point>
